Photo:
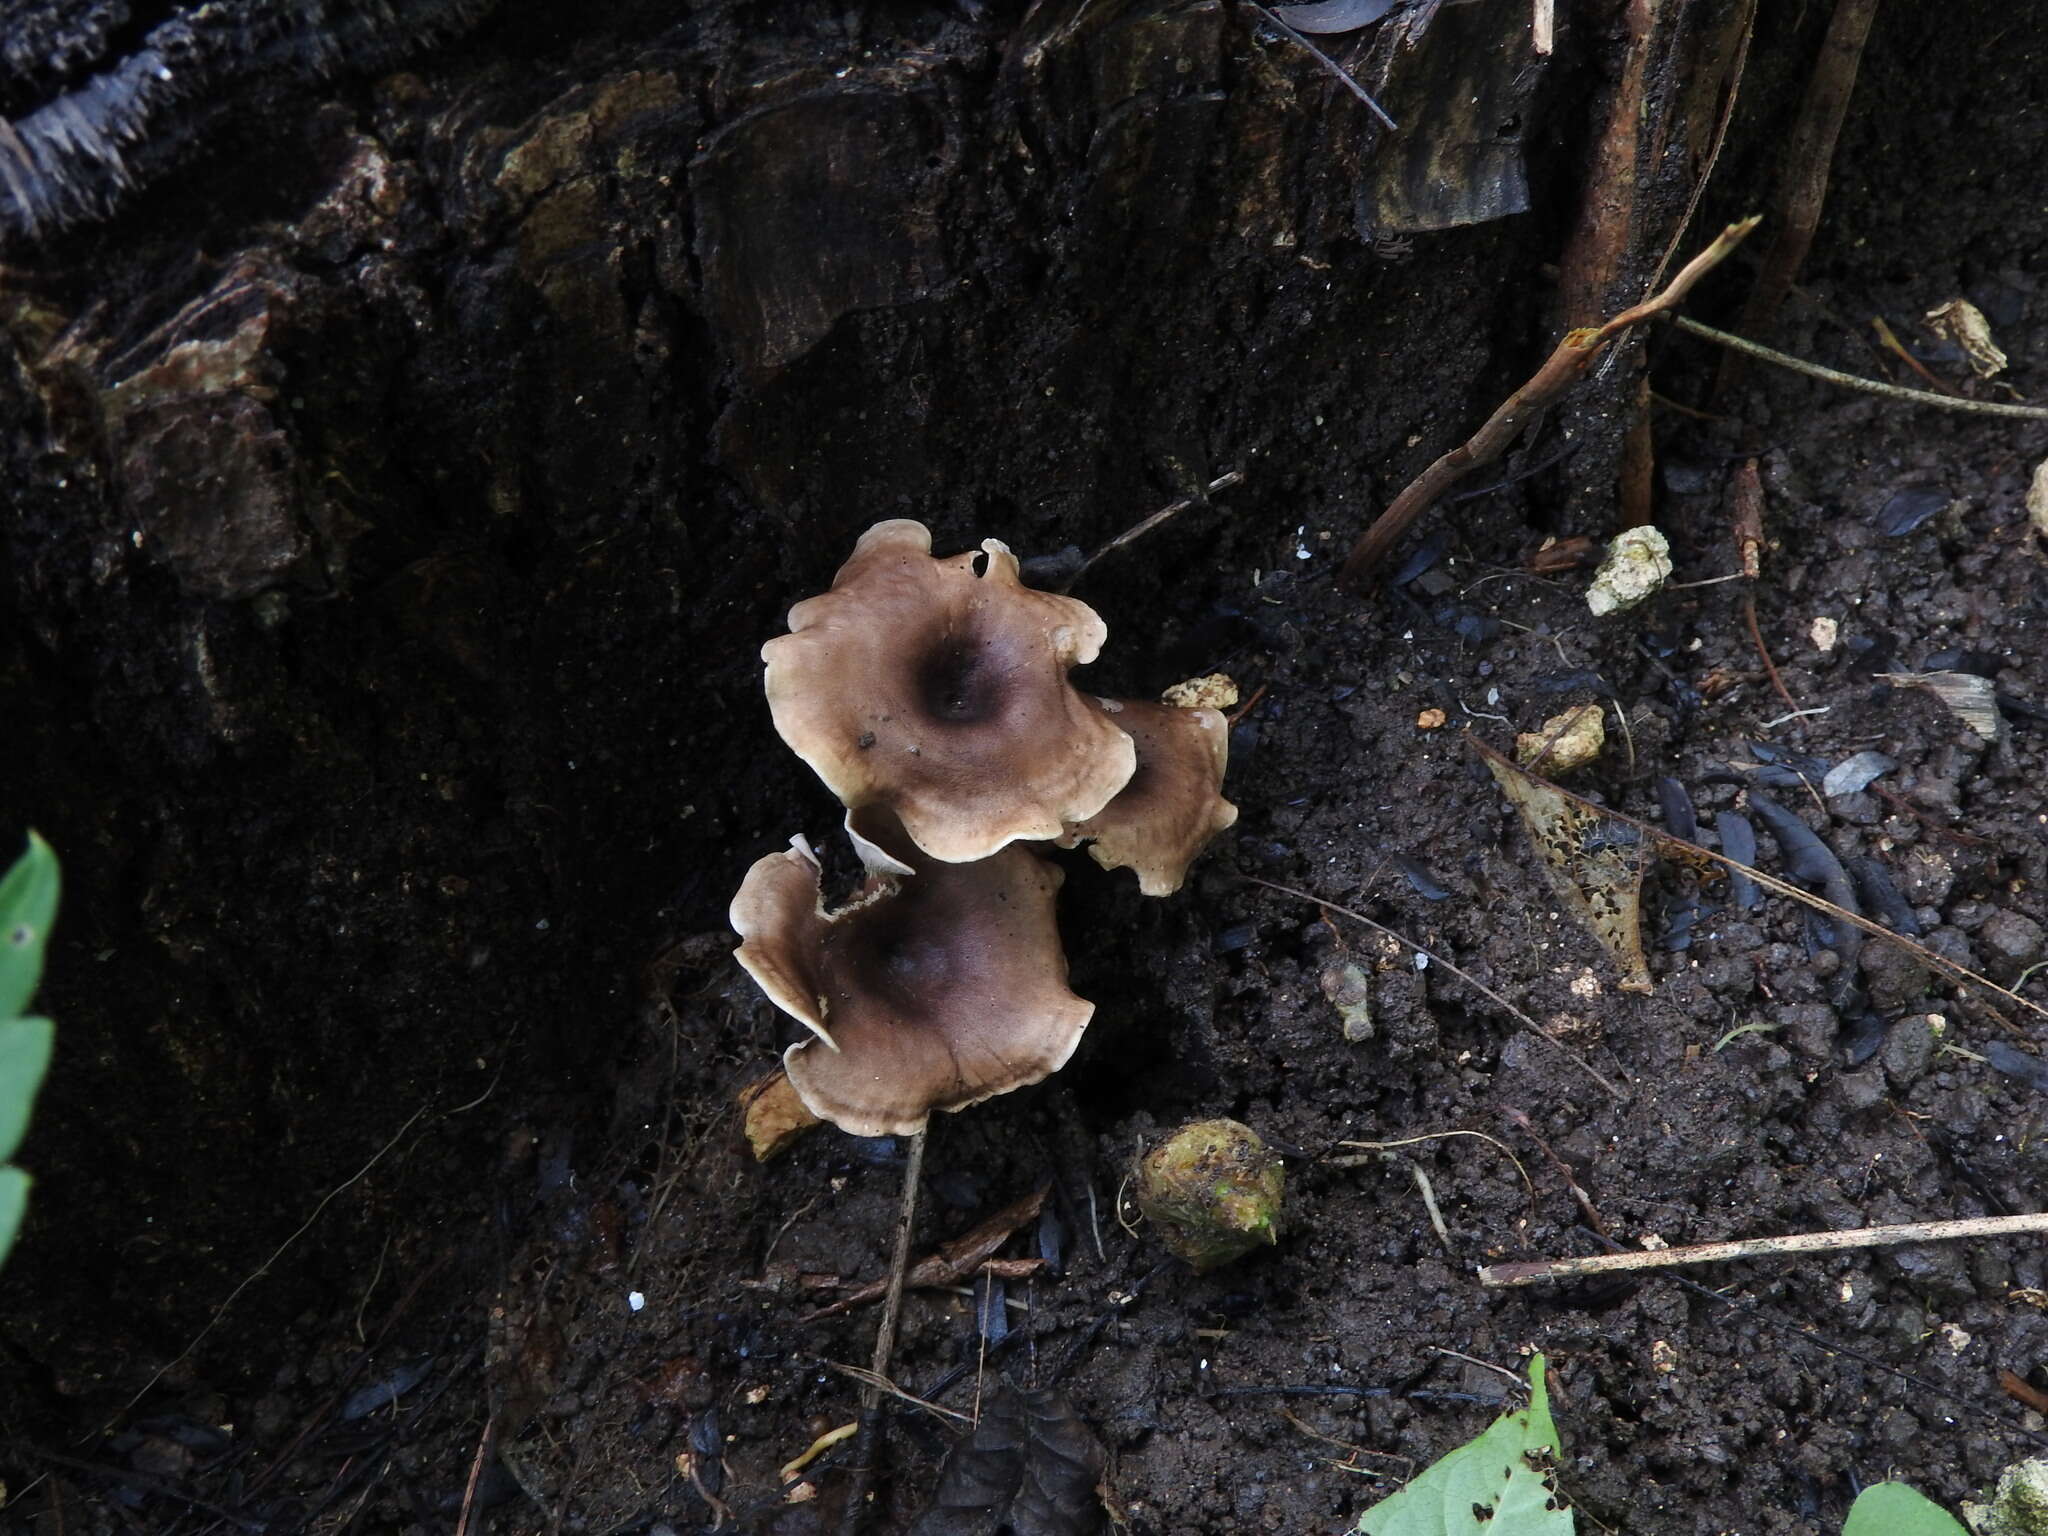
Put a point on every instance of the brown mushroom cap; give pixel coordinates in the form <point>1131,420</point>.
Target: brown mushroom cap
<point>935,991</point>
<point>918,686</point>
<point>1174,803</point>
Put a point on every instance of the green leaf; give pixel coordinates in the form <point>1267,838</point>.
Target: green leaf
<point>1487,1487</point>
<point>13,1201</point>
<point>24,1058</point>
<point>1893,1509</point>
<point>28,905</point>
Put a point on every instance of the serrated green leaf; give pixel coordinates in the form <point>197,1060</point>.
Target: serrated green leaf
<point>24,1058</point>
<point>28,906</point>
<point>1893,1509</point>
<point>1490,1486</point>
<point>13,1201</point>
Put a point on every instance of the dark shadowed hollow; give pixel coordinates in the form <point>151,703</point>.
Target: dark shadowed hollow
<point>416,416</point>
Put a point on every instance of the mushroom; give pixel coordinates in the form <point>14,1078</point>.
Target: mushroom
<point>1174,802</point>
<point>934,991</point>
<point>942,696</point>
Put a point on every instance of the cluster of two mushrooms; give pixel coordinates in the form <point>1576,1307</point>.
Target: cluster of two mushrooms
<point>933,699</point>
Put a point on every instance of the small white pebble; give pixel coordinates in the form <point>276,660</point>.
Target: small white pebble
<point>635,1300</point>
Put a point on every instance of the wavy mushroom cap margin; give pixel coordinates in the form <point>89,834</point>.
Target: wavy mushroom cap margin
<point>940,694</point>
<point>931,991</point>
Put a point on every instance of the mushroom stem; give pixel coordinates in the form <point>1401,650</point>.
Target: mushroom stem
<point>862,1461</point>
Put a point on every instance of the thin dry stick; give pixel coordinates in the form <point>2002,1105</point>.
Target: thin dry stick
<point>884,1386</point>
<point>1436,959</point>
<point>1564,1169</point>
<point>1139,530</point>
<point>1699,187</point>
<point>1409,1141</point>
<point>263,1269</point>
<point>1761,1247</point>
<point>1333,67</point>
<point>1852,381</point>
<point>1342,1445</point>
<point>1564,365</point>
<point>885,1344</point>
<point>1756,638</point>
<point>1809,156</point>
<point>476,1469</point>
<point>1960,974</point>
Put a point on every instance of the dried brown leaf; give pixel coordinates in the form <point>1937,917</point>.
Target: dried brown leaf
<point>773,1115</point>
<point>1594,864</point>
<point>1031,1467</point>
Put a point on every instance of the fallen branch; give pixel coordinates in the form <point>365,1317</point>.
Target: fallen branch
<point>1497,1275</point>
<point>1852,381</point>
<point>1562,368</point>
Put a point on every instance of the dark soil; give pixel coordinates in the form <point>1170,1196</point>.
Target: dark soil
<point>398,498</point>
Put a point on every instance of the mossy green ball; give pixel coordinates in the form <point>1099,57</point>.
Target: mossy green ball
<point>1213,1192</point>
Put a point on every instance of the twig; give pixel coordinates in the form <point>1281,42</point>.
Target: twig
<point>1747,27</point>
<point>152,1485</point>
<point>2020,1390</point>
<point>1513,1380</point>
<point>1322,1389</point>
<point>885,1344</point>
<point>1409,1141</point>
<point>476,1470</point>
<point>1580,1198</point>
<point>1756,636</point>
<point>873,1382</point>
<point>1564,365</point>
<point>1333,67</point>
<point>1889,340</point>
<point>1852,381</point>
<point>1140,529</point>
<point>1808,157</point>
<point>1245,708</point>
<point>1786,719</point>
<point>337,1394</point>
<point>782,1231</point>
<point>949,1263</point>
<point>263,1269</point>
<point>1436,959</point>
<point>1762,1247</point>
<point>1343,1445</point>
